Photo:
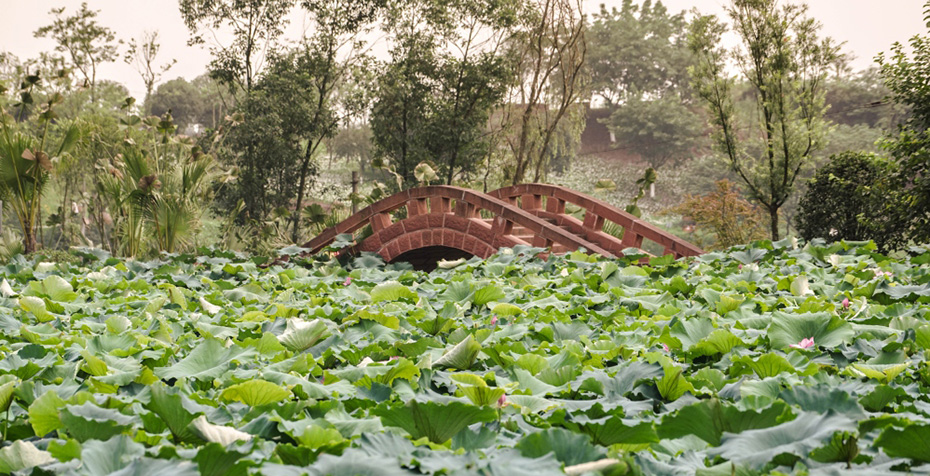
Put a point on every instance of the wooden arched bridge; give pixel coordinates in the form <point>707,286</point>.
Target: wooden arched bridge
<point>450,222</point>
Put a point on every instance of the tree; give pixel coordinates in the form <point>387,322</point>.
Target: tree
<point>549,50</point>
<point>182,99</point>
<point>141,56</point>
<point>634,55</point>
<point>784,64</point>
<point>845,201</point>
<point>907,76</point>
<point>254,25</point>
<point>86,43</point>
<point>26,158</point>
<point>326,61</point>
<point>661,130</point>
<point>639,63</point>
<point>446,74</point>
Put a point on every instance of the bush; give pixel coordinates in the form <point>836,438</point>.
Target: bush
<point>848,199</point>
<point>733,220</point>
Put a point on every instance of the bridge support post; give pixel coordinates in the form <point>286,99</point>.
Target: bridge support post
<point>593,222</point>
<point>501,226</point>
<point>465,209</point>
<point>380,221</point>
<point>555,205</point>
<point>532,202</point>
<point>440,205</point>
<point>416,207</point>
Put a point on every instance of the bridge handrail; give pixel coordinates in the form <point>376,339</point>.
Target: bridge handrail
<point>478,200</point>
<point>602,209</point>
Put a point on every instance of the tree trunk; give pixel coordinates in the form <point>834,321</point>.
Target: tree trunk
<point>773,214</point>
<point>29,239</point>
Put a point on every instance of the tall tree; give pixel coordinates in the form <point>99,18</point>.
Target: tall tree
<point>906,72</point>
<point>637,50</point>
<point>183,100</point>
<point>446,73</point>
<point>549,51</point>
<point>254,26</point>
<point>86,43</point>
<point>784,63</point>
<point>142,56</point>
<point>328,59</point>
<point>639,61</point>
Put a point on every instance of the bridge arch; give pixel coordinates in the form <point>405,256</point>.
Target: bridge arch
<point>479,224</point>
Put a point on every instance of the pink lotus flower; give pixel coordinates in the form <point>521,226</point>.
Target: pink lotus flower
<point>493,320</point>
<point>845,303</point>
<point>804,344</point>
<point>665,347</point>
<point>348,281</point>
<point>502,402</point>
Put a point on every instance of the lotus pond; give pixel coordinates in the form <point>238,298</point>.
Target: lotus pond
<point>767,359</point>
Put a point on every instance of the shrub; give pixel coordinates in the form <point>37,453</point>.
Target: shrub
<point>726,213</point>
<point>849,199</point>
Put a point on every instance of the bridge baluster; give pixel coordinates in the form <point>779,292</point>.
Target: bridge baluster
<point>555,205</point>
<point>380,221</point>
<point>440,205</point>
<point>416,207</point>
<point>531,202</point>
<point>465,209</point>
<point>593,222</point>
<point>501,226</point>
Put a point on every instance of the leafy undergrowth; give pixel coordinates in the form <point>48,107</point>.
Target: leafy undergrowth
<point>767,359</point>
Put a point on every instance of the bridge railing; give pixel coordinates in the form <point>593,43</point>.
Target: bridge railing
<point>548,201</point>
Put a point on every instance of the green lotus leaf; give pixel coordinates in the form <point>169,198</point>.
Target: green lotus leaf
<point>567,447</point>
<point>44,413</point>
<point>710,419</point>
<point>912,441</point>
<point>6,394</point>
<point>247,294</point>
<point>437,422</point>
<point>22,455</point>
<point>101,458</point>
<point>531,403</point>
<point>172,411</point>
<point>483,396</point>
<point>256,393</point>
<point>461,356</point>
<point>36,306</point>
<point>223,435</point>
<point>826,329</point>
<point>756,448</point>
<point>612,430</point>
<point>88,421</point>
<point>55,288</point>
<point>882,372</point>
<point>300,335</point>
<point>673,384</point>
<point>207,361</point>
<point>392,291</point>
<point>486,294</point>
<point>506,310</point>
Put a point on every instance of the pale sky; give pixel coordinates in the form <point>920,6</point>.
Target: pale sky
<point>867,27</point>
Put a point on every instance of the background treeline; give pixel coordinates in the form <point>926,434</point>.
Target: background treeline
<point>257,153</point>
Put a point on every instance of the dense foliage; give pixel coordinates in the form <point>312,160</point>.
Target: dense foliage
<point>767,357</point>
<point>845,201</point>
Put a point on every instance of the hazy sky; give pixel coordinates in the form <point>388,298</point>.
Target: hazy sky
<point>867,27</point>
